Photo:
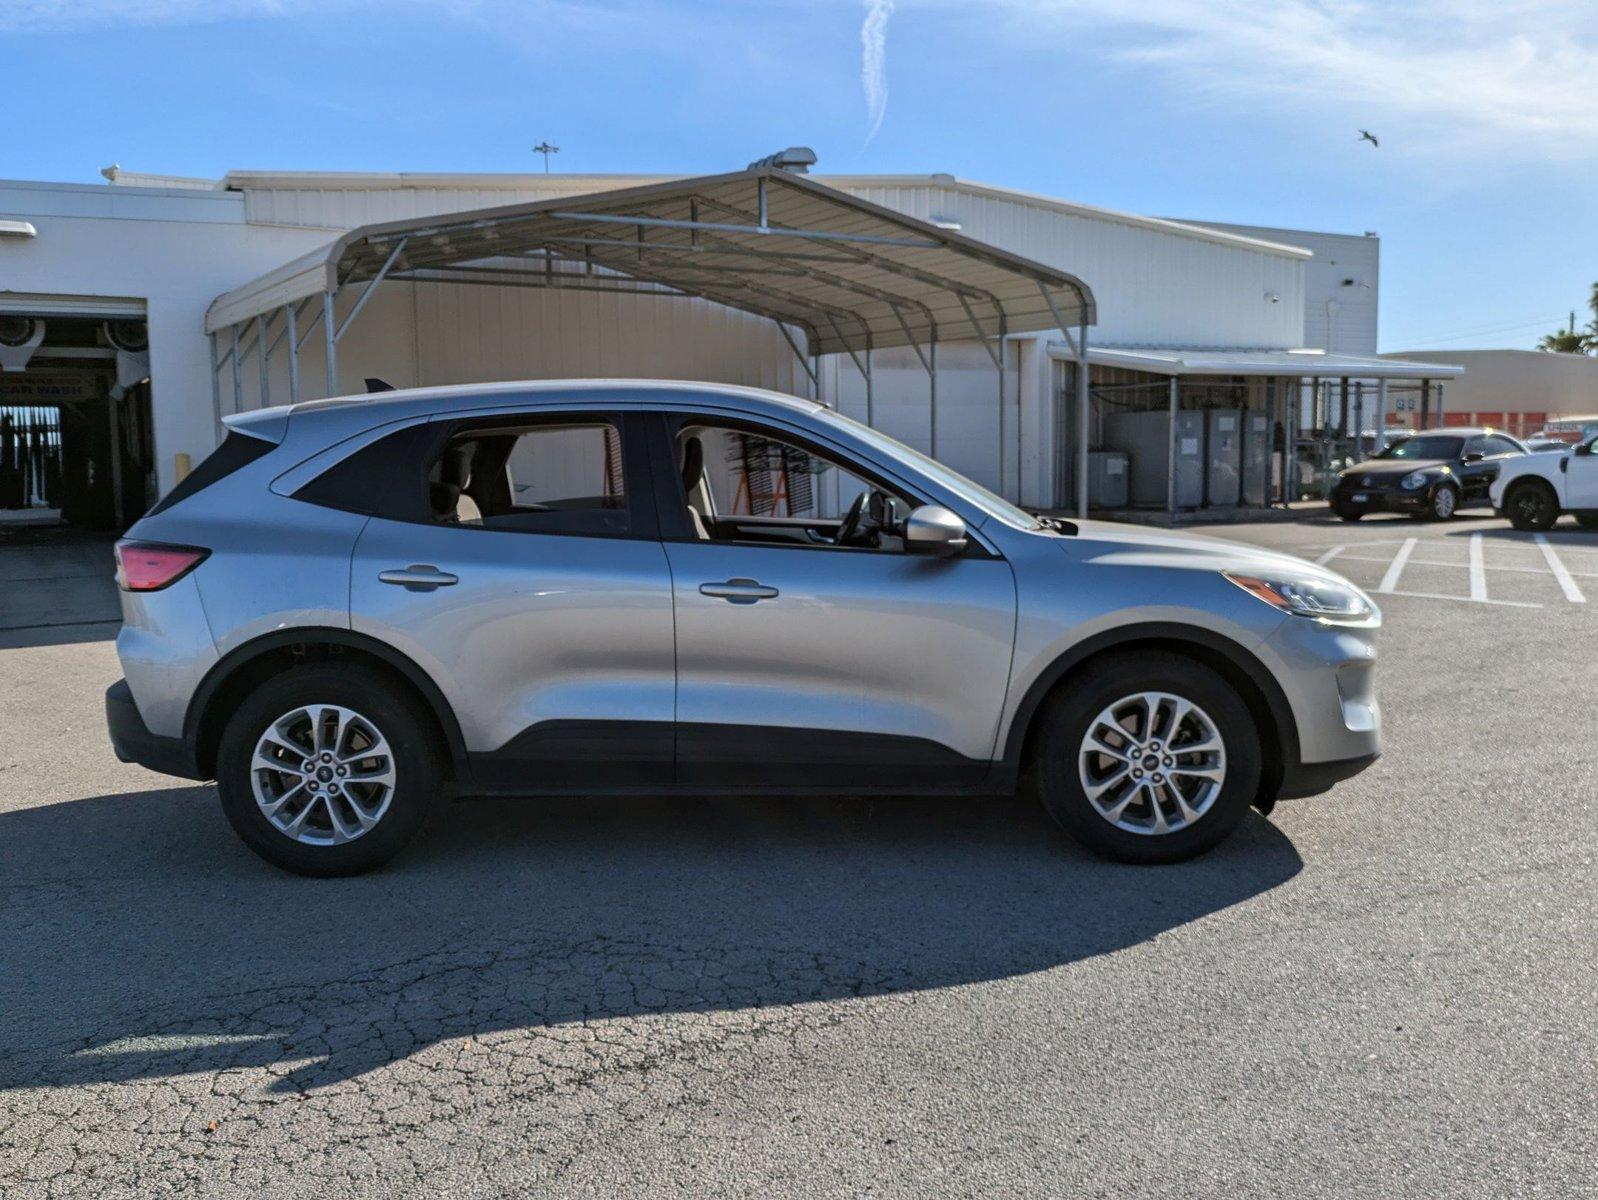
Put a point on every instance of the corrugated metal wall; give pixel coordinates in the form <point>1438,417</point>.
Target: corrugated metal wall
<point>1339,317</point>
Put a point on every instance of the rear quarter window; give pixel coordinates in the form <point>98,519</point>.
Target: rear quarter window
<point>384,479</point>
<point>236,451</point>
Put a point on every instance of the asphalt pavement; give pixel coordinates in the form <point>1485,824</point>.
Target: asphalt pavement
<point>1388,990</point>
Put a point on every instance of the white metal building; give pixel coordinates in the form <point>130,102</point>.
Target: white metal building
<point>193,258</point>
<point>1518,390</point>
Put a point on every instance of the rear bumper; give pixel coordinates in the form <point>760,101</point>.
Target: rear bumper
<point>134,743</point>
<point>1311,779</point>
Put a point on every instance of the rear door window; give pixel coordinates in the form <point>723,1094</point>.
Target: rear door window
<point>552,476</point>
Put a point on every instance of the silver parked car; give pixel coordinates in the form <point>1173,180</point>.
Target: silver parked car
<point>357,606</point>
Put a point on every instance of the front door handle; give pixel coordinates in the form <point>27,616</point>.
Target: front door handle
<point>418,577</point>
<point>738,591</point>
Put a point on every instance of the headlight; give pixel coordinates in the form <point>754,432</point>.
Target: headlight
<point>1414,481</point>
<point>1320,599</point>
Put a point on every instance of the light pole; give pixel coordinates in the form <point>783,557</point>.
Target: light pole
<point>546,150</point>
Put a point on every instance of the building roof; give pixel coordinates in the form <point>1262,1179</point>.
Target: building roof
<point>566,184</point>
<point>1176,361</point>
<point>851,274</point>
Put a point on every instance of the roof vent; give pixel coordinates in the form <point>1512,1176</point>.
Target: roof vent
<point>798,159</point>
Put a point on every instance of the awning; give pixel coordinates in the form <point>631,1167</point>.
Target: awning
<point>850,274</point>
<point>1307,363</point>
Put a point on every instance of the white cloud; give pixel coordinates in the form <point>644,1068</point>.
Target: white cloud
<point>1436,77</point>
<point>873,62</point>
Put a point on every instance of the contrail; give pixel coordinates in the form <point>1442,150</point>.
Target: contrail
<point>873,60</point>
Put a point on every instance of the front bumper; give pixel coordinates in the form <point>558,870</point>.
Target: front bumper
<point>1374,500</point>
<point>133,742</point>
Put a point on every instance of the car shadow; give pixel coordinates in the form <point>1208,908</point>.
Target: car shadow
<point>141,939</point>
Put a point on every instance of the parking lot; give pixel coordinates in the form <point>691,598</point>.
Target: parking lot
<point>1387,990</point>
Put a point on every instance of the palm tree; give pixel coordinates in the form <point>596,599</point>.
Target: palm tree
<point>1569,341</point>
<point>1566,341</point>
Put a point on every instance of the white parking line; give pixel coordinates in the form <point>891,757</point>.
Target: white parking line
<point>1330,554</point>
<point>1437,562</point>
<point>1557,566</point>
<point>1461,599</point>
<point>1396,568</point>
<point>1478,572</point>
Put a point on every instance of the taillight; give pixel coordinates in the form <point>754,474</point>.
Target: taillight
<point>150,566</point>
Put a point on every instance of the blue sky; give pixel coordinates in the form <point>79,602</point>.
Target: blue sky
<point>1484,190</point>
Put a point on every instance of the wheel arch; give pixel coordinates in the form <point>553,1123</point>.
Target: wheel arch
<point>258,659</point>
<point>1266,701</point>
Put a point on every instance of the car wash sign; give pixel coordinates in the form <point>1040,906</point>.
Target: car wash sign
<point>39,391</point>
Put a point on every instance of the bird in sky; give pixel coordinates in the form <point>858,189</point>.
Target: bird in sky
<point>1366,135</point>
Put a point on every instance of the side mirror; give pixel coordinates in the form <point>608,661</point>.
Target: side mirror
<point>1473,456</point>
<point>1584,448</point>
<point>934,530</point>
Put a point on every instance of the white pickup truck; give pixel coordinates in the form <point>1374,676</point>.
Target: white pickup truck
<point>1534,489</point>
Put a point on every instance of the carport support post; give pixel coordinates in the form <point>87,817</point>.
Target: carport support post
<point>1359,420</point>
<point>1082,405</point>
<point>1170,454</point>
<point>1381,415</point>
<point>238,384</point>
<point>331,340</point>
<point>216,387</point>
<point>932,396</point>
<point>1441,421</point>
<point>260,340</point>
<point>1425,403</point>
<point>871,418</point>
<point>294,353</point>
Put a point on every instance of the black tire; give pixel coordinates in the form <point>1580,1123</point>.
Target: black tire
<point>396,713</point>
<point>1531,506</point>
<point>1347,514</point>
<point>1587,520</point>
<point>1066,721</point>
<point>1442,504</point>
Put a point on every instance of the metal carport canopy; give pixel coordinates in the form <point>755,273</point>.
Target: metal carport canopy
<point>1318,363</point>
<point>851,274</point>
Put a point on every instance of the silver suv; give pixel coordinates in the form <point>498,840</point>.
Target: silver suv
<point>357,606</point>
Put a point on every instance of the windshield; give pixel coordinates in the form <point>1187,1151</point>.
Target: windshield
<point>1425,446</point>
<point>973,493</point>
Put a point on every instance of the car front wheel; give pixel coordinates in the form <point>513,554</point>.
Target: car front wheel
<point>1444,503</point>
<point>1150,758</point>
<point>328,770</point>
<point>1531,507</point>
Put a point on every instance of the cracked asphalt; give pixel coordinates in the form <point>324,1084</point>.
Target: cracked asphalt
<point>1390,990</point>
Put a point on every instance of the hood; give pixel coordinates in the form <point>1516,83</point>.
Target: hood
<point>1395,466</point>
<point>1115,544</point>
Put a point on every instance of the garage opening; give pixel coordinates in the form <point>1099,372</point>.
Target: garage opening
<point>76,451</point>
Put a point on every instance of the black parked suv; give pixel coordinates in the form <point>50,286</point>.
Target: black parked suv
<point>1427,475</point>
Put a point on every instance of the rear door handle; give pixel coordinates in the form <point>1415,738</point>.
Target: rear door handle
<point>738,591</point>
<point>418,577</point>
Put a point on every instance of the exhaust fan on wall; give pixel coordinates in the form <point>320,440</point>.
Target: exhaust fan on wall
<point>131,340</point>
<point>19,339</point>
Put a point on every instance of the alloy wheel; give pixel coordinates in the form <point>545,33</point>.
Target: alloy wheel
<point>1152,763</point>
<point>1444,501</point>
<point>322,774</point>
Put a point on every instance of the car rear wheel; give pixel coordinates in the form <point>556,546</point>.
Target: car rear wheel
<point>328,770</point>
<point>1150,758</point>
<point>1531,506</point>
